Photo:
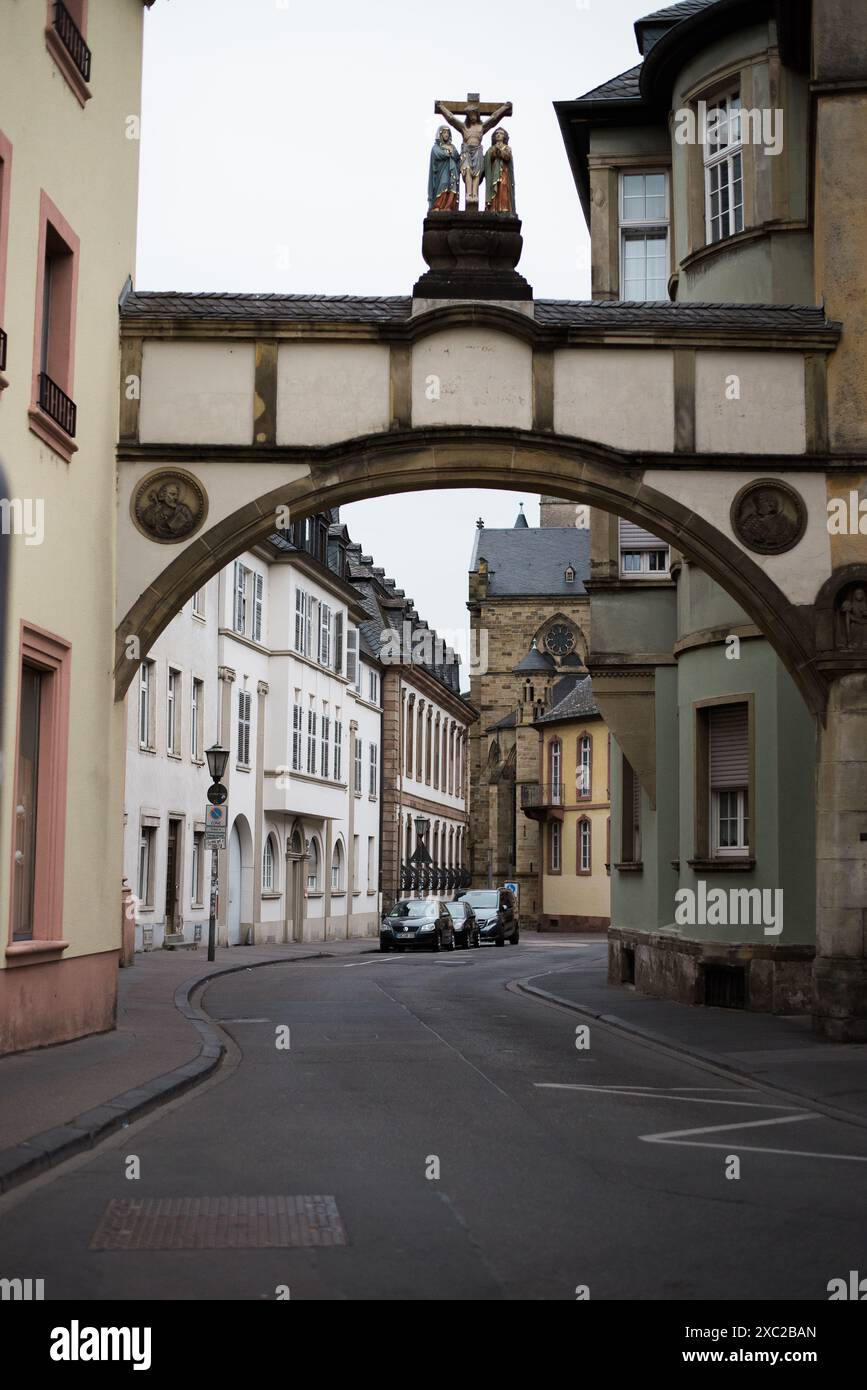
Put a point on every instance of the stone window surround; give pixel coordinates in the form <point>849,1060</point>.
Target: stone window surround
<point>41,423</point>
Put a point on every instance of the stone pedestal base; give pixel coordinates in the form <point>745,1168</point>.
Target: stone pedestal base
<point>472,255</point>
<point>773,979</point>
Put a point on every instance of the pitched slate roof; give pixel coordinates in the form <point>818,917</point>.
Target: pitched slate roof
<point>622,313</point>
<point>677,12</point>
<point>578,703</point>
<point>533,561</point>
<point>535,661</point>
<point>623,87</point>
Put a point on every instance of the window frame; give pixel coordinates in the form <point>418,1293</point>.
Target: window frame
<point>555,847</point>
<point>585,792</point>
<point>148,688</point>
<point>631,228</point>
<point>244,729</point>
<point>725,155</point>
<point>373,770</point>
<point>705,828</point>
<point>60,312</point>
<point>197,869</point>
<point>174,695</point>
<point>197,720</point>
<point>584,825</point>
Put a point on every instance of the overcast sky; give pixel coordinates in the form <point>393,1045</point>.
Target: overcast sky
<point>285,148</point>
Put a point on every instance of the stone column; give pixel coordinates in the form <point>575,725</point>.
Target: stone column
<point>258,828</point>
<point>326,882</point>
<point>840,969</point>
<point>226,676</point>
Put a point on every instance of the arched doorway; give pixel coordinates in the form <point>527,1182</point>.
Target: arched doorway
<point>239,904</point>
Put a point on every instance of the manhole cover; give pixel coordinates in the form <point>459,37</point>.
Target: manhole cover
<point>219,1223</point>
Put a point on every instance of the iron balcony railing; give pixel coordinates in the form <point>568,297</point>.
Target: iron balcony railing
<point>72,39</point>
<point>57,404</point>
<point>2,351</point>
<point>541,794</point>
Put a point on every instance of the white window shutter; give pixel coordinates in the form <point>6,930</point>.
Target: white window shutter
<point>634,537</point>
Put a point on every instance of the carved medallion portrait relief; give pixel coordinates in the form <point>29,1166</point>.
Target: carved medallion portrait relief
<point>169,506</point>
<point>768,516</point>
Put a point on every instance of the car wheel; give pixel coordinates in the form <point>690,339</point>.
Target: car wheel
<point>501,941</point>
<point>384,946</point>
<point>478,941</point>
<point>437,943</point>
<point>467,943</point>
<point>452,942</point>
<point>516,938</point>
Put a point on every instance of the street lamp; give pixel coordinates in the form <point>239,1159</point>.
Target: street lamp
<point>421,827</point>
<point>217,758</point>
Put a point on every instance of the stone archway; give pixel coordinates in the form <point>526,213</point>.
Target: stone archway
<point>454,457</point>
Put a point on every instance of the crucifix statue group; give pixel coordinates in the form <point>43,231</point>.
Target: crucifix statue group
<point>473,164</point>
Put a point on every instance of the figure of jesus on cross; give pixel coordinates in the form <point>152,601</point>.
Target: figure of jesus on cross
<point>480,118</point>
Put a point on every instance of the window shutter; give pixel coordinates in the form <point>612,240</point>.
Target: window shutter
<point>258,591</point>
<point>729,746</point>
<point>634,537</point>
<point>636,800</point>
<point>352,655</point>
<point>338,643</point>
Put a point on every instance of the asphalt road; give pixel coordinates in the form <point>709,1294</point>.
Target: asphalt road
<point>557,1167</point>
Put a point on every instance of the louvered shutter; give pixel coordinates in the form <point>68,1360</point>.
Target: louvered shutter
<point>634,537</point>
<point>636,801</point>
<point>729,751</point>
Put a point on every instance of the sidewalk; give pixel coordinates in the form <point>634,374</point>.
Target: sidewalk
<point>766,1049</point>
<point>59,1100</point>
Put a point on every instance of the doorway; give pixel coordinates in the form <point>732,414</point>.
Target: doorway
<point>173,864</point>
<point>233,916</point>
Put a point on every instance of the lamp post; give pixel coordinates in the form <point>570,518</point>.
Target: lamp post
<point>422,825</point>
<point>217,758</point>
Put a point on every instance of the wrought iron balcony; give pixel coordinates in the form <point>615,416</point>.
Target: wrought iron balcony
<point>72,39</point>
<point>57,404</point>
<point>2,351</point>
<point>538,796</point>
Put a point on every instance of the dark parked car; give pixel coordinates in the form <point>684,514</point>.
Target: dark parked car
<point>465,924</point>
<point>423,923</point>
<point>496,911</point>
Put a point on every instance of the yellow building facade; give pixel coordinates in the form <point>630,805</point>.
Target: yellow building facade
<point>573,806</point>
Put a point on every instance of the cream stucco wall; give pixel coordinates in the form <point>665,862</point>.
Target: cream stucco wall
<point>83,161</point>
<point>618,396</point>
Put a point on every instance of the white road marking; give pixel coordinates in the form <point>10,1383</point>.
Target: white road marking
<point>389,960</point>
<point>653,1094</point>
<point>243,1020</point>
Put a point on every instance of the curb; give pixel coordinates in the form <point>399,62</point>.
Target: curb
<point>709,1060</point>
<point>36,1155</point>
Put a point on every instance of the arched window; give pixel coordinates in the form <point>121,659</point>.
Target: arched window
<point>584,846</point>
<point>269,861</point>
<point>555,842</point>
<point>556,766</point>
<point>314,868</point>
<point>584,778</point>
<point>338,883</point>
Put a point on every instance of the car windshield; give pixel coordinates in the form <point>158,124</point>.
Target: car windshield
<point>416,908</point>
<point>481,899</point>
<point>456,909</point>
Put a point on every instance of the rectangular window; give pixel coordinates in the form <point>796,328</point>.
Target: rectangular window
<point>630,835</point>
<point>355,863</point>
<point>197,721</point>
<point>173,706</point>
<point>324,634</point>
<point>198,870</point>
<point>373,687</point>
<point>146,864</point>
<point>66,42</point>
<point>728,736</point>
<point>145,705</point>
<point>584,846</point>
<point>311,741</point>
<point>371,864</point>
<point>258,595</point>
<point>555,841</point>
<point>352,655</point>
<point>297,732</point>
<point>358,762</point>
<point>239,615</point>
<point>338,750</point>
<point>724,169</point>
<point>338,643</point>
<point>53,412</point>
<point>245,717</point>
<point>585,766</point>
<point>640,552</point>
<point>326,738</point>
<point>374,770</point>
<point>644,236</point>
<point>198,603</point>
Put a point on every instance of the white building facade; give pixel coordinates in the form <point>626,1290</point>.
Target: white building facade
<point>267,660</point>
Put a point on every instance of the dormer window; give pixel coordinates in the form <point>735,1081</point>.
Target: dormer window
<point>570,575</point>
<point>724,169</point>
<point>644,221</point>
